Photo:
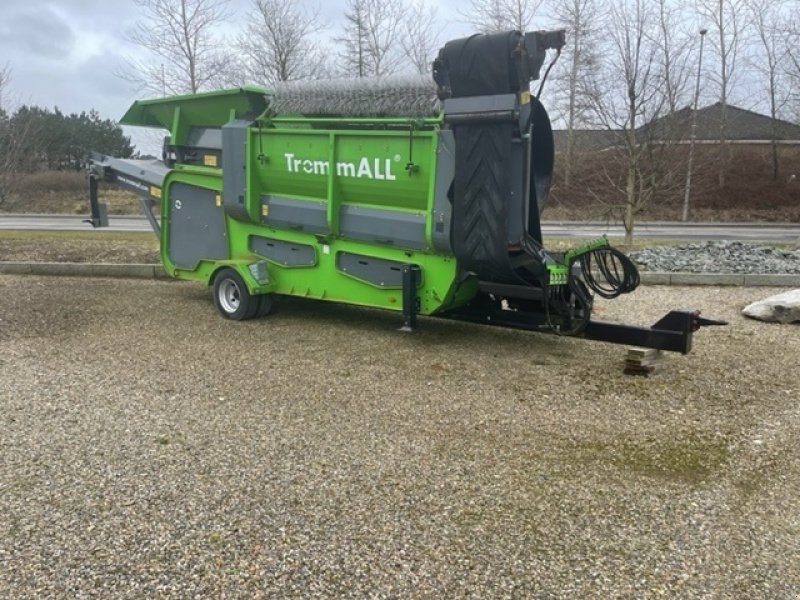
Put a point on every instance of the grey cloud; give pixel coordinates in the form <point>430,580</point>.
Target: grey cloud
<point>42,33</point>
<point>98,74</point>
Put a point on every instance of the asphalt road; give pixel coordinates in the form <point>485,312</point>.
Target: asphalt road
<point>777,232</point>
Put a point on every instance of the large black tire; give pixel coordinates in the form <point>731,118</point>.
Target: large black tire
<point>231,297</point>
<point>480,206</point>
<point>266,304</point>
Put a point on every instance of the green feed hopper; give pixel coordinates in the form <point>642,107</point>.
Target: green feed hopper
<point>418,195</point>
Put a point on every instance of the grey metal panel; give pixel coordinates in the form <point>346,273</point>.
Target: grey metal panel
<point>403,229</point>
<point>378,271</point>
<point>289,254</point>
<point>196,226</point>
<point>292,213</point>
<point>442,207</point>
<point>204,137</point>
<point>234,168</point>
<point>135,174</point>
<point>501,106</point>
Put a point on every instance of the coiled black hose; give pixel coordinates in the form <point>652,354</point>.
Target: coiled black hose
<point>618,273</point>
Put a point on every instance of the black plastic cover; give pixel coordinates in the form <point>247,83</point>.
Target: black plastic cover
<point>481,65</point>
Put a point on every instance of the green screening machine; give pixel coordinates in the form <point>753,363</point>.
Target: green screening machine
<point>419,195</point>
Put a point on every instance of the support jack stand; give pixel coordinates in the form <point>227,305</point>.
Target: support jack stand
<point>411,275</point>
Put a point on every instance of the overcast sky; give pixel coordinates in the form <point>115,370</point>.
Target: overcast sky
<point>66,53</point>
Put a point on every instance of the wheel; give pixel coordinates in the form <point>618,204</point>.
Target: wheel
<point>266,304</point>
<point>231,297</point>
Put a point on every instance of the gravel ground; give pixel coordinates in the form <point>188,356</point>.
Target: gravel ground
<point>718,257</point>
<point>151,449</point>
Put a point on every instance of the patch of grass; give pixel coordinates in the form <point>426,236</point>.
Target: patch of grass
<point>690,459</point>
<point>90,234</point>
<point>562,244</point>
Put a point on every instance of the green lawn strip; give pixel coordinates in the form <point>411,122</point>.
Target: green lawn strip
<point>145,237</point>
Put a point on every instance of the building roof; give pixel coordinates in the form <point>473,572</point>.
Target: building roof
<point>743,125</point>
<point>587,139</point>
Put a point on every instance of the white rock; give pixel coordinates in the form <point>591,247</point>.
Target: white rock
<point>782,308</point>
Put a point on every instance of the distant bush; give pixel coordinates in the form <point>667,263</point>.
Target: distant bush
<point>45,182</point>
<point>598,183</point>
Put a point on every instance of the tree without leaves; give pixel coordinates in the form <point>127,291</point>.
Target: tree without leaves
<point>490,16</point>
<point>791,68</point>
<point>767,17</point>
<point>676,53</point>
<point>370,39</point>
<point>726,18</point>
<point>354,41</point>
<point>5,82</point>
<point>179,34</point>
<point>631,62</point>
<point>578,17</point>
<point>16,135</point>
<point>676,56</point>
<point>421,35</point>
<point>278,42</point>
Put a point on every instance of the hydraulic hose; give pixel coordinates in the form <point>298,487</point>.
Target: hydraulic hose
<point>619,274</point>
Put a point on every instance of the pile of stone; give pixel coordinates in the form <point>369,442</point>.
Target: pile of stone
<point>718,257</point>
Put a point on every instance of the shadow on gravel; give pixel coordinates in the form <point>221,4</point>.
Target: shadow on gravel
<point>431,331</point>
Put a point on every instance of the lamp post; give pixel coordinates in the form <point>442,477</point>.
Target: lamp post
<point>688,189</point>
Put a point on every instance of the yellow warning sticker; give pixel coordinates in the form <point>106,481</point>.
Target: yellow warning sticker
<point>210,160</point>
<point>155,192</point>
<point>264,210</point>
<point>218,200</point>
<point>524,97</point>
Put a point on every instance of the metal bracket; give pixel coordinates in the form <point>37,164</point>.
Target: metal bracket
<point>147,205</point>
<point>99,216</point>
<point>673,332</point>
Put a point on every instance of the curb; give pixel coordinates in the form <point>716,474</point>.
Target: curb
<point>157,272</point>
<point>721,279</point>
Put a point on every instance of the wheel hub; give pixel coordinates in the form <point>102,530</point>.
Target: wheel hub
<point>229,296</point>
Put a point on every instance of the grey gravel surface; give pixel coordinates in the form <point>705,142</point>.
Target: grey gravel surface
<point>718,257</point>
<point>151,449</point>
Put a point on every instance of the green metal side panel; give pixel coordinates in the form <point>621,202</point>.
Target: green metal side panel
<point>362,167</point>
<point>439,289</point>
<point>339,168</point>
<point>208,109</point>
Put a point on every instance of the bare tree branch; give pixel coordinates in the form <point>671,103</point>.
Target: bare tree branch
<point>5,82</point>
<point>727,19</point>
<point>631,63</point>
<point>370,40</point>
<point>279,42</point>
<point>489,16</point>
<point>579,18</point>
<point>185,55</point>
<point>676,53</point>
<point>420,38</point>
<point>767,17</point>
